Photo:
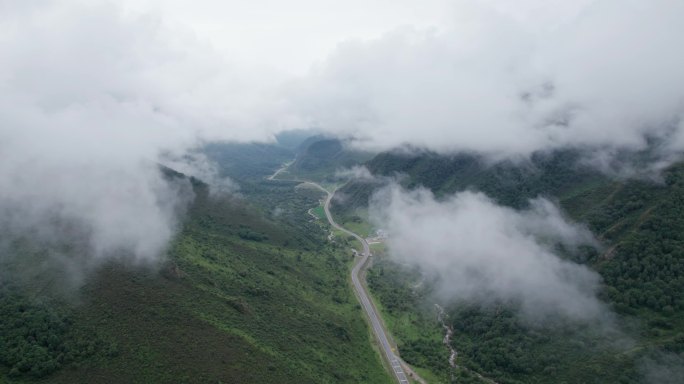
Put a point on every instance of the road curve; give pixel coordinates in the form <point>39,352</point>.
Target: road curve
<point>398,366</point>
<point>281,169</point>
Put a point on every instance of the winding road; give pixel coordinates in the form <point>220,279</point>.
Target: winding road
<point>398,366</point>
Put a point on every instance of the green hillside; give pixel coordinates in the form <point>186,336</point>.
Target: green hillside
<point>244,296</point>
<point>319,158</point>
<point>247,161</point>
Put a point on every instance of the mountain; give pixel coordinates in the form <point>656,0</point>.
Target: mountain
<point>252,161</point>
<point>250,291</point>
<point>508,182</point>
<point>619,211</point>
<point>639,221</point>
<point>320,157</point>
<point>293,140</point>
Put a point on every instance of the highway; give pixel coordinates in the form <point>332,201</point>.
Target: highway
<point>281,169</point>
<point>398,367</point>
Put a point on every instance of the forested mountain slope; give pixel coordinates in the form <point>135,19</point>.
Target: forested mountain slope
<point>639,222</point>
<point>250,292</point>
<point>319,158</point>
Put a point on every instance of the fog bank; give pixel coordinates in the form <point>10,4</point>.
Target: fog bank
<point>484,253</point>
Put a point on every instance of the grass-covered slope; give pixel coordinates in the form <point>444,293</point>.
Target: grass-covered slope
<point>251,292</point>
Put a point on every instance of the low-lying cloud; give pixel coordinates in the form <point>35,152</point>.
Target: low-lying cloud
<point>357,172</point>
<point>91,101</point>
<point>485,253</point>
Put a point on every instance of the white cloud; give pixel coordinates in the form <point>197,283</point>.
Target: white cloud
<point>485,253</point>
<point>505,80</point>
<point>357,172</point>
<point>89,101</point>
<point>93,92</point>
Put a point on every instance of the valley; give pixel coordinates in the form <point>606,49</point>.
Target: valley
<point>255,278</point>
<point>342,192</point>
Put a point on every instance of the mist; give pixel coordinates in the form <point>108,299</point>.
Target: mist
<point>479,252</point>
<point>662,368</point>
<point>95,94</point>
<point>358,172</point>
<point>92,102</point>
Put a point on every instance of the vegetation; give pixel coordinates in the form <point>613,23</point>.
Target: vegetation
<point>37,338</point>
<point>248,161</point>
<point>319,158</point>
<point>251,292</point>
<point>411,318</point>
<point>640,223</point>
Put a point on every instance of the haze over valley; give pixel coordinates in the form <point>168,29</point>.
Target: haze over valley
<point>471,191</point>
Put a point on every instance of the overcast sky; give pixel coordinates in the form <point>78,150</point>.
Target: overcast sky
<point>289,36</point>
<point>498,77</point>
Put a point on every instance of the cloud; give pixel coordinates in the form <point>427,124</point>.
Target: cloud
<point>93,95</point>
<point>91,101</point>
<point>196,164</point>
<point>357,172</point>
<point>290,35</point>
<point>507,80</point>
<point>485,253</point>
<point>662,368</point>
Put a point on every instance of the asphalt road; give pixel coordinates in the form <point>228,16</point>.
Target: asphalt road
<point>381,336</point>
<point>277,172</point>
